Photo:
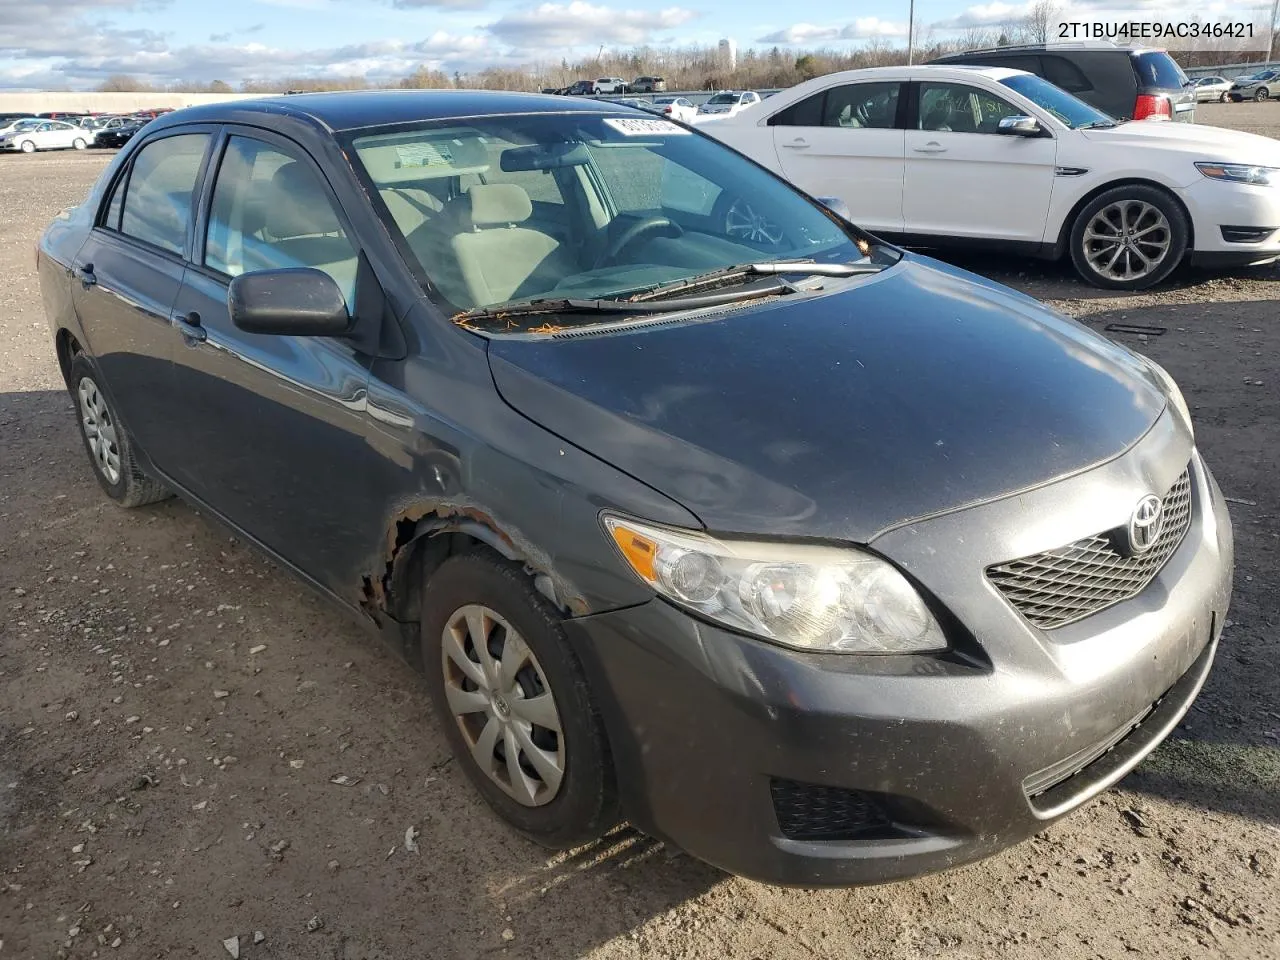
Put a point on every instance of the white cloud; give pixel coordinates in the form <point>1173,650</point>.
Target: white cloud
<point>556,26</point>
<point>863,28</point>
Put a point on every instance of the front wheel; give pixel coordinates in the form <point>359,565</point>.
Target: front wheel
<point>1222,98</point>
<point>1262,94</point>
<point>79,143</point>
<point>1129,238</point>
<point>27,147</point>
<point>514,702</point>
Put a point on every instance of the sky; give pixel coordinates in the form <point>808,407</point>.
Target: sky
<point>61,44</point>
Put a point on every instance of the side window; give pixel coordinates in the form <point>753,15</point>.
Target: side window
<point>863,105</point>
<point>1063,73</point>
<point>957,108</point>
<point>806,113</point>
<point>270,211</point>
<point>112,220</point>
<point>157,204</point>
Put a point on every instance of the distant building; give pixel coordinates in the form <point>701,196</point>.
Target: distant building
<point>729,54</point>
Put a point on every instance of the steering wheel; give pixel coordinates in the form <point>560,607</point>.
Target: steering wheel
<point>632,234</point>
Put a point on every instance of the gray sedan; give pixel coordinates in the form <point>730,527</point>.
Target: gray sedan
<point>1257,86</point>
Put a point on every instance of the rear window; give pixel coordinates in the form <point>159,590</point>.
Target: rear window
<point>1156,69</point>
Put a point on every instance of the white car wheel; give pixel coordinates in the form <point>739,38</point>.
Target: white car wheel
<point>79,143</point>
<point>27,146</point>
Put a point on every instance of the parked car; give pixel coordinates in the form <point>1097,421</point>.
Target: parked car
<point>114,137</point>
<point>581,88</point>
<point>1128,83</point>
<point>1256,86</point>
<point>6,118</point>
<point>635,102</point>
<point>609,85</point>
<point>648,85</point>
<point>20,123</point>
<point>46,135</point>
<point>645,576</point>
<point>677,108</point>
<point>727,103</point>
<point>938,155</point>
<point>1211,88</point>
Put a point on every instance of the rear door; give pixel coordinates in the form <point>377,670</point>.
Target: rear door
<point>273,428</point>
<point>127,277</point>
<point>847,142</point>
<point>963,179</point>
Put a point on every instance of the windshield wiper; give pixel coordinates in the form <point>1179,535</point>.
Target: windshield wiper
<point>795,266</point>
<point>657,299</point>
<point>1098,125</point>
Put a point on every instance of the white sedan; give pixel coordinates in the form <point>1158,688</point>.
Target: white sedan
<point>728,103</point>
<point>677,108</point>
<point>936,156</point>
<point>46,135</point>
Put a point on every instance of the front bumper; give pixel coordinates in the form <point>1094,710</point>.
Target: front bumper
<point>725,744</point>
<point>1214,204</point>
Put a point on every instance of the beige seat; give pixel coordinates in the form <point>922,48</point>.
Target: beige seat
<point>410,207</point>
<point>303,230</point>
<point>478,251</point>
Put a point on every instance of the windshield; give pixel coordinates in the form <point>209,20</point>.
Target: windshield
<point>581,205</point>
<point>724,98</point>
<point>1065,108</point>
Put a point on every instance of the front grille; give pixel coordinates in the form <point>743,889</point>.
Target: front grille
<point>1061,586</point>
<point>810,811</point>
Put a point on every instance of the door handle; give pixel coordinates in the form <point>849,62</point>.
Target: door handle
<point>797,144</point>
<point>85,275</point>
<point>933,146</point>
<point>189,326</point>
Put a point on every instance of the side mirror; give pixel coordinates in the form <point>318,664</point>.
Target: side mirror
<point>294,302</point>
<point>1020,127</point>
<point>836,206</point>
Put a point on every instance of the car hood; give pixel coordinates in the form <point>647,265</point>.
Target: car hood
<point>895,397</point>
<point>1210,143</point>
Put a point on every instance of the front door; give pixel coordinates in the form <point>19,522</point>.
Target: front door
<point>846,142</point>
<point>274,426</point>
<point>127,278</point>
<point>964,179</point>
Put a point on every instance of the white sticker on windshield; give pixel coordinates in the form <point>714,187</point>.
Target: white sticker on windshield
<point>643,128</point>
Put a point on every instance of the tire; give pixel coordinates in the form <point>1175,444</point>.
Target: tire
<point>26,146</point>
<point>502,600</point>
<point>78,143</point>
<point>1136,201</point>
<point>1222,98</point>
<point>1262,93</point>
<point>117,470</point>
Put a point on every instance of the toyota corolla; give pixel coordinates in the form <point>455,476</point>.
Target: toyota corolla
<point>827,562</point>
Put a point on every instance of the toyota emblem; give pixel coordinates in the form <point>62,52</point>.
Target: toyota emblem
<point>1145,525</point>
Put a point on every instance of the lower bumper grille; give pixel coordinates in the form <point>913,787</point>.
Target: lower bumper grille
<point>1062,586</point>
<point>1246,234</point>
<point>809,811</point>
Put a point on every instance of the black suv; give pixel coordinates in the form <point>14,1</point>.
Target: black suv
<point>1129,83</point>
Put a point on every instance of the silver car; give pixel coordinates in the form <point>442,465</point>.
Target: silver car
<point>1257,86</point>
<point>1211,88</point>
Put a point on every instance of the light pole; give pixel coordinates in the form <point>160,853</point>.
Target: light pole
<point>911,30</point>
<point>1271,43</point>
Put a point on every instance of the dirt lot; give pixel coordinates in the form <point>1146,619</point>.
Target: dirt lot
<point>172,708</point>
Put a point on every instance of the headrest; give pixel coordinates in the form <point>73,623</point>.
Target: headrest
<point>299,207</point>
<point>498,204</point>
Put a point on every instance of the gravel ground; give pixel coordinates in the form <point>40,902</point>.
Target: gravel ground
<point>173,708</point>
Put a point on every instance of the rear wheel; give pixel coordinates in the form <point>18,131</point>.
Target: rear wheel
<point>1129,238</point>
<point>108,443</point>
<point>514,702</point>
<point>79,143</point>
<point>1262,94</point>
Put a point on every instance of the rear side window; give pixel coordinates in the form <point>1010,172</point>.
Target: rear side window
<point>806,113</point>
<point>157,202</point>
<point>1063,73</point>
<point>1156,69</point>
<point>862,105</point>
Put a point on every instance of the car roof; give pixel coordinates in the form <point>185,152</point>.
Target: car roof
<point>354,109</point>
<point>918,72</point>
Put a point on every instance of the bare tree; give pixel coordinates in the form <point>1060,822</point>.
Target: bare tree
<point>122,83</point>
<point>1039,21</point>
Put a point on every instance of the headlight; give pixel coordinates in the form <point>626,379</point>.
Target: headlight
<point>814,598</point>
<point>1240,173</point>
<point>1174,392</point>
